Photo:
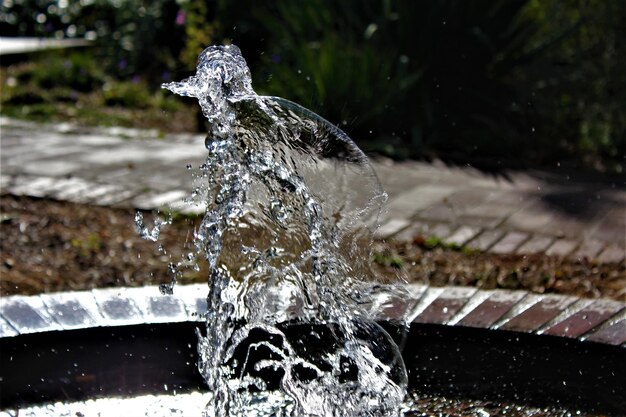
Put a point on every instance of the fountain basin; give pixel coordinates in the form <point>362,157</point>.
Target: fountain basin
<point>127,342</point>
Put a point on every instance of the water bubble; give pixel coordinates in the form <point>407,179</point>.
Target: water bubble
<point>166,289</point>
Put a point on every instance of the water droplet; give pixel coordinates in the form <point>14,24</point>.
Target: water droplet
<point>166,289</point>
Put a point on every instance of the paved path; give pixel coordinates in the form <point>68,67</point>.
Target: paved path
<point>514,212</point>
<point>10,46</point>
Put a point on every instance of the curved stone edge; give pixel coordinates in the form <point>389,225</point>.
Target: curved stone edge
<point>596,320</point>
<point>99,308</point>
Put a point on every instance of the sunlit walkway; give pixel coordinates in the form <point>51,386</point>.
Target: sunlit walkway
<point>10,46</point>
<point>511,212</point>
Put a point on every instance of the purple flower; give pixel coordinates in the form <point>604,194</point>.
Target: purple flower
<point>276,58</point>
<point>136,79</point>
<point>165,76</point>
<point>122,64</point>
<point>180,18</point>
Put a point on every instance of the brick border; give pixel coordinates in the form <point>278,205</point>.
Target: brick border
<point>600,320</point>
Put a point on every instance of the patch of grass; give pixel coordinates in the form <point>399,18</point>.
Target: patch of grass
<point>37,112</point>
<point>388,259</point>
<point>19,96</point>
<point>98,117</point>
<point>178,216</point>
<point>127,94</point>
<point>434,242</point>
<point>87,246</point>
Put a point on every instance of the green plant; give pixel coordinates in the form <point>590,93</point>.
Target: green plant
<point>78,71</point>
<point>432,242</point>
<point>388,259</point>
<point>24,95</point>
<point>130,37</point>
<point>127,94</point>
<point>579,87</point>
<point>327,57</point>
<point>480,80</point>
<point>91,244</point>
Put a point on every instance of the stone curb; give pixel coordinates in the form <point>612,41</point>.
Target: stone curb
<point>600,320</point>
<point>501,241</point>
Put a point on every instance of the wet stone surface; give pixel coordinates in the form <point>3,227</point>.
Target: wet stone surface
<point>446,305</point>
<point>27,314</point>
<point>6,330</point>
<point>72,310</point>
<point>545,308</point>
<point>396,308</point>
<point>117,308</point>
<point>585,319</point>
<point>169,308</point>
<point>614,333</point>
<point>492,309</point>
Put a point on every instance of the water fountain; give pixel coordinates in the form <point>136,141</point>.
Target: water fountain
<point>274,223</point>
<point>293,324</point>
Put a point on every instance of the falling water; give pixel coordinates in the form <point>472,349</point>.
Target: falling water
<point>290,206</point>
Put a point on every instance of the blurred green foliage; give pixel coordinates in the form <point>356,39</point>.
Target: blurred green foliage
<point>132,36</point>
<point>77,71</point>
<point>127,94</point>
<point>578,87</point>
<point>497,82</point>
<point>484,81</point>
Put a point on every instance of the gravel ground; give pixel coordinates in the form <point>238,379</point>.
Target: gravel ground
<point>48,246</point>
<point>438,265</point>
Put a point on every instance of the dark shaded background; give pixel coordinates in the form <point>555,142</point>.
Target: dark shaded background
<point>496,84</point>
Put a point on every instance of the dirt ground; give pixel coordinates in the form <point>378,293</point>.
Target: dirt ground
<point>48,246</point>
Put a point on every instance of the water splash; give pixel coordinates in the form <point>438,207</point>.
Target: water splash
<point>291,203</point>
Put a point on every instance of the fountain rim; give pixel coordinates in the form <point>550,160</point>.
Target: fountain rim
<point>438,354</point>
<point>595,320</point>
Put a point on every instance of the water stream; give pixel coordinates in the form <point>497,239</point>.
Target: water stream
<point>290,207</point>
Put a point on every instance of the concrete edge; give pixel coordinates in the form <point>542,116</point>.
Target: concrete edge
<point>599,320</point>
